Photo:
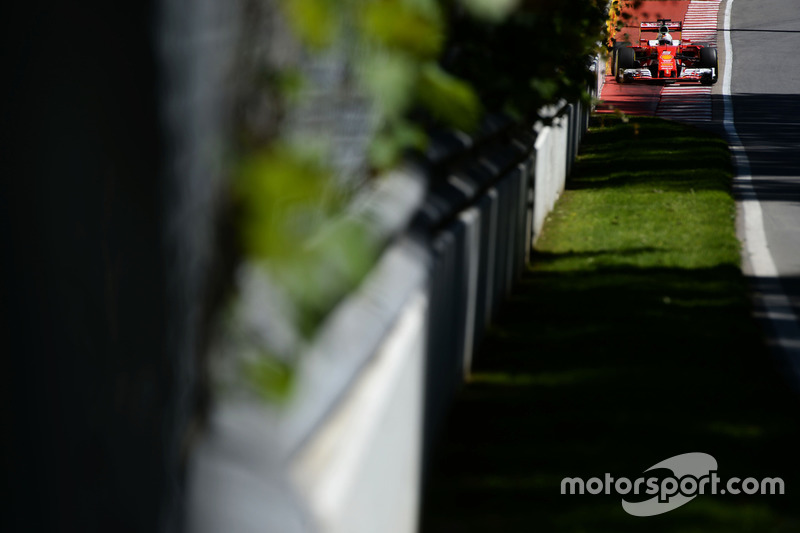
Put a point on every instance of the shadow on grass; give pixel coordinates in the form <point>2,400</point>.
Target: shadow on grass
<point>654,153</point>
<point>612,369</point>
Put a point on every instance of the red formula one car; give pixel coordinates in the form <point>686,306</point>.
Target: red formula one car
<point>665,59</point>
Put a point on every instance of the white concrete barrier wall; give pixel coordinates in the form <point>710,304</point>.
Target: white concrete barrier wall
<point>361,471</point>
<point>487,207</point>
<point>550,171</point>
<point>357,466</point>
<point>471,219</point>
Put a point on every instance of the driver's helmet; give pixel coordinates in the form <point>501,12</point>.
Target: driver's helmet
<point>665,38</point>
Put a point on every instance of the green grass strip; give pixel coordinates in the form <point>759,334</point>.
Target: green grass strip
<point>629,341</point>
<point>647,193</point>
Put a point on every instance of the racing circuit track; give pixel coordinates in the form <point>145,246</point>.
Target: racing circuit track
<point>686,103</point>
<point>757,100</point>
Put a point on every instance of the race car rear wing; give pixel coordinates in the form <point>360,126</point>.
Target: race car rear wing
<point>657,26</point>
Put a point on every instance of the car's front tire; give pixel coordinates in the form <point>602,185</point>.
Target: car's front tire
<point>709,59</point>
<point>626,58</point>
<point>614,57</point>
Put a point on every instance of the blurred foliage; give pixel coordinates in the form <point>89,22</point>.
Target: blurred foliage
<point>614,21</point>
<point>313,20</point>
<point>398,26</point>
<point>280,193</point>
<point>536,56</point>
<point>619,14</point>
<point>420,63</point>
<point>291,225</point>
<point>450,100</point>
<point>491,10</point>
<point>272,378</point>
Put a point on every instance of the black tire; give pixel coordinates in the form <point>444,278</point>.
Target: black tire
<point>614,52</point>
<point>708,58</point>
<point>626,58</point>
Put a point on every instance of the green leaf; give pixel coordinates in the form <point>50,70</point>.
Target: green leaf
<point>397,26</point>
<point>390,79</point>
<point>490,10</point>
<point>448,98</point>
<point>332,265</point>
<point>546,88</point>
<point>314,21</point>
<point>388,146</point>
<point>281,192</point>
<point>272,378</point>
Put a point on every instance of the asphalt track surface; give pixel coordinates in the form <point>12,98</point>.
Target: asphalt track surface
<point>765,98</point>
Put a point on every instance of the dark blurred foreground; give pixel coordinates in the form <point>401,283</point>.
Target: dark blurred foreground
<point>115,128</point>
<point>90,393</point>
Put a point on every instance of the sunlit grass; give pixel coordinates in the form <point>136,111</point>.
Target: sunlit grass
<point>630,340</point>
<point>645,194</point>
